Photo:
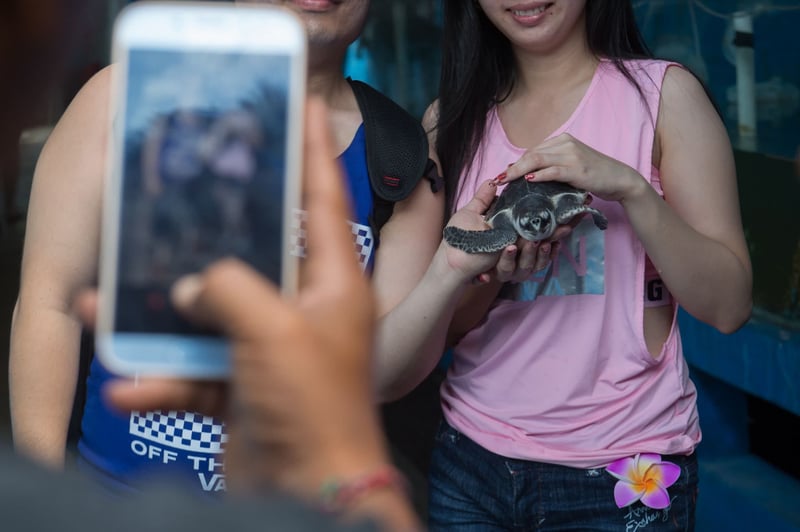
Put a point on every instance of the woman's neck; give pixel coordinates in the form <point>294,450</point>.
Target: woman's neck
<point>554,71</point>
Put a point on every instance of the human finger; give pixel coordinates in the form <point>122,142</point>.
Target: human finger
<point>527,256</point>
<point>533,163</point>
<point>233,297</point>
<point>554,151</point>
<point>543,256</point>
<point>330,248</point>
<point>527,253</point>
<point>506,264</point>
<point>564,230</point>
<point>483,198</point>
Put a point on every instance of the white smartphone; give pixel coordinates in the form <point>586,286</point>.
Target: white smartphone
<point>204,162</point>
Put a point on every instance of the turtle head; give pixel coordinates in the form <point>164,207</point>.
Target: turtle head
<point>535,225</point>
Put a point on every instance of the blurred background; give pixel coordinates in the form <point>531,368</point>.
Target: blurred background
<point>747,54</point>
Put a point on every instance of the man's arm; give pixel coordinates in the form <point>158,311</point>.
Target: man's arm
<point>60,256</point>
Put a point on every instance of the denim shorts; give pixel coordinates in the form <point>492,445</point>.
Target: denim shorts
<point>472,489</point>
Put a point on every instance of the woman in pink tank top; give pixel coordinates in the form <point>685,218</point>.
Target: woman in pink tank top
<point>568,404</point>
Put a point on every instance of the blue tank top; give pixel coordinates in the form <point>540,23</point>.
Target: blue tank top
<point>125,450</point>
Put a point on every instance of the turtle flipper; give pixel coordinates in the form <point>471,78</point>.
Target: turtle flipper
<point>487,241</point>
<point>599,218</point>
<point>565,215</point>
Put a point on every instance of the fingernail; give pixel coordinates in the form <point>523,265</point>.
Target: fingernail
<point>530,176</point>
<point>500,177</point>
<point>186,290</point>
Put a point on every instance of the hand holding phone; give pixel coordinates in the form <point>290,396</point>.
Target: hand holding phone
<point>204,163</point>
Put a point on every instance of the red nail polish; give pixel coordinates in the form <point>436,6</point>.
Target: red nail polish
<point>500,177</point>
<point>530,177</point>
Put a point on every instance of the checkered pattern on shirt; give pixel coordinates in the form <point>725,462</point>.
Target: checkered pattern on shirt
<point>187,431</point>
<point>362,238</point>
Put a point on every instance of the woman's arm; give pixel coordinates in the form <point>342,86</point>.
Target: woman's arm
<point>418,281</point>
<point>413,316</point>
<point>59,257</point>
<point>695,240</point>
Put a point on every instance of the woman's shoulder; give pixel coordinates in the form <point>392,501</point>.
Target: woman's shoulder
<point>653,75</point>
<point>100,82</point>
<point>92,98</point>
<point>80,134</point>
<point>651,68</point>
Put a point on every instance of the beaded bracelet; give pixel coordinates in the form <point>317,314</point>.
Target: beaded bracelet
<point>336,495</point>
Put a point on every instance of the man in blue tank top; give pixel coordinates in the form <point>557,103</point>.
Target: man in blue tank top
<point>123,449</point>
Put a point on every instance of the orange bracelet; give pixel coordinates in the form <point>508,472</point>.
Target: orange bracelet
<point>336,495</point>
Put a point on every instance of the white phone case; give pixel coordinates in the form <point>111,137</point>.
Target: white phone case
<point>204,162</point>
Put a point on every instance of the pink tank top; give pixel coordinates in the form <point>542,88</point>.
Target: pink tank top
<point>558,371</point>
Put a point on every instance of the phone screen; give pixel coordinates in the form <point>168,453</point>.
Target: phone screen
<point>204,163</point>
<point>202,176</point>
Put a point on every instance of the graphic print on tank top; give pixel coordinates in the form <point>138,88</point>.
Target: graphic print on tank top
<point>578,269</point>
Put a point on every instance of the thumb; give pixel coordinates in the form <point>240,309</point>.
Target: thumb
<point>232,296</point>
<point>330,242</point>
<point>483,198</point>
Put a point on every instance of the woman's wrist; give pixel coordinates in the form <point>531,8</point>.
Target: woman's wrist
<point>637,189</point>
<point>449,277</point>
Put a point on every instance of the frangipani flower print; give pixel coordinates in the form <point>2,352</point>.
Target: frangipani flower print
<point>645,478</point>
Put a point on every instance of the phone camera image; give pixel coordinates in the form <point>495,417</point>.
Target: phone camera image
<point>202,175</point>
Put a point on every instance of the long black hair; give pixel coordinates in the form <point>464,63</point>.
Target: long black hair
<point>478,72</point>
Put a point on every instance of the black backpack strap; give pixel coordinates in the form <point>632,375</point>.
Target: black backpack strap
<point>397,150</point>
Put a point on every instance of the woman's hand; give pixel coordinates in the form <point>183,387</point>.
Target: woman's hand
<point>515,263</point>
<point>520,261</point>
<point>566,159</point>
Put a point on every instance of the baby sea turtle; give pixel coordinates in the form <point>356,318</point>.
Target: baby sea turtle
<point>528,209</point>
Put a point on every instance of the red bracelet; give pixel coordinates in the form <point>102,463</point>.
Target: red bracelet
<point>336,495</point>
